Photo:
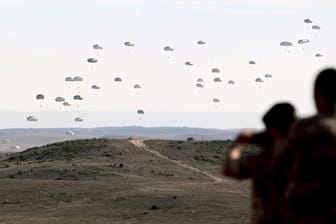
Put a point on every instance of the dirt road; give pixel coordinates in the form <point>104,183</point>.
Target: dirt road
<point>140,144</point>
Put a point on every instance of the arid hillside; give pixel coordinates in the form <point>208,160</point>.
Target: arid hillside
<point>121,181</point>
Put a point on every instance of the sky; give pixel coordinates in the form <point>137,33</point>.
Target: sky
<point>43,41</point>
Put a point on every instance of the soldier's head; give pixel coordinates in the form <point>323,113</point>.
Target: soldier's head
<point>279,118</point>
<point>325,91</point>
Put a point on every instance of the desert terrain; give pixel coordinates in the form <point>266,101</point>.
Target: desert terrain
<point>121,181</point>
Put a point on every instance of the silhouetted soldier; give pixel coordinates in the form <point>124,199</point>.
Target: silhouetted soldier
<point>267,184</point>
<point>310,195</point>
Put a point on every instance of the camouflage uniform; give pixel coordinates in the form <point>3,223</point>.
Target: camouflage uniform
<point>265,188</point>
<point>310,194</point>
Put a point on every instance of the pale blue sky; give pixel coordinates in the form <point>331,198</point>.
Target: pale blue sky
<point>43,41</point>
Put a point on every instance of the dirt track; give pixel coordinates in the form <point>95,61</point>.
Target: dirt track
<point>139,143</point>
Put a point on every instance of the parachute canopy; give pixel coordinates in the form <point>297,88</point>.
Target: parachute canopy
<point>268,76</point>
<point>259,80</point>
<point>252,62</point>
<point>92,60</point>
<point>95,87</point>
<point>117,79</point>
<point>59,99</point>
<point>69,133</point>
<point>286,44</point>
<point>77,97</point>
<point>78,119</point>
<point>40,97</point>
<point>68,79</point>
<point>137,86</point>
<point>140,112</point>
<point>318,55</point>
<point>217,79</point>
<point>32,118</point>
<point>200,42</point>
<point>188,63</point>
<point>77,79</point>
<point>215,100</point>
<point>97,47</point>
<point>215,70</point>
<point>231,82</point>
<point>15,147</point>
<point>199,85</point>
<point>129,44</point>
<point>303,41</point>
<point>168,48</point>
<point>316,27</point>
<point>308,21</point>
<point>66,104</point>
<point>199,80</point>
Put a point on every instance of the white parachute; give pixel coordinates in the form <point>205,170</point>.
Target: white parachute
<point>199,85</point>
<point>77,97</point>
<point>92,60</point>
<point>129,44</point>
<point>201,42</point>
<point>215,70</point>
<point>217,80</point>
<point>59,99</point>
<point>308,21</point>
<point>137,86</point>
<point>97,47</point>
<point>96,87</point>
<point>78,119</point>
<point>32,118</point>
<point>259,80</point>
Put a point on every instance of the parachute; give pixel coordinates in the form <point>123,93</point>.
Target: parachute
<point>268,76</point>
<point>318,55</point>
<point>252,62</point>
<point>286,44</point>
<point>201,42</point>
<point>316,27</point>
<point>71,133</point>
<point>32,118</point>
<point>92,60</point>
<point>168,48</point>
<point>77,97</point>
<point>15,147</point>
<point>231,82</point>
<point>68,79</point>
<point>308,21</point>
<point>97,47</point>
<point>259,80</point>
<point>129,44</point>
<point>137,86</point>
<point>59,99</point>
<point>199,80</point>
<point>215,100</point>
<point>66,104</point>
<point>303,41</point>
<point>39,97</point>
<point>188,63</point>
<point>95,87</point>
<point>215,70</point>
<point>117,79</point>
<point>199,85</point>
<point>140,112</point>
<point>78,119</point>
<point>217,79</point>
<point>77,79</point>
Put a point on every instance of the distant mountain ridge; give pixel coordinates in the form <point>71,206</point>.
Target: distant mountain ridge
<point>26,138</point>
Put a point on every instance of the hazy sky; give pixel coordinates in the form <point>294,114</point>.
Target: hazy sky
<point>44,41</point>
